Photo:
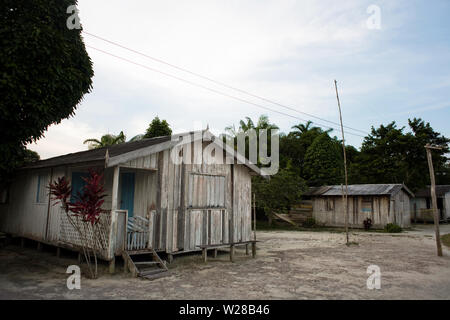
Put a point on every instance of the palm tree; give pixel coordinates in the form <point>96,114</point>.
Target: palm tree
<point>105,140</point>
<point>138,137</point>
<point>262,123</point>
<point>302,128</point>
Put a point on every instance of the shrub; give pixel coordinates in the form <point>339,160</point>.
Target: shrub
<point>367,224</point>
<point>309,223</point>
<point>392,228</point>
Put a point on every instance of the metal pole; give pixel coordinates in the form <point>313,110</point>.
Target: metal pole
<point>428,147</point>
<point>345,163</point>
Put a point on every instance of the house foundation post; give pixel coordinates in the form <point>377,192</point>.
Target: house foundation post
<point>112,266</point>
<point>232,253</point>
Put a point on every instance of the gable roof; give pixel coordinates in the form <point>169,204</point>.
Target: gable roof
<point>441,190</point>
<point>115,154</point>
<point>359,190</point>
<point>97,154</point>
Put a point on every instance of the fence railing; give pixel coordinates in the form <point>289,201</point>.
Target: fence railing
<point>137,233</point>
<point>70,236</point>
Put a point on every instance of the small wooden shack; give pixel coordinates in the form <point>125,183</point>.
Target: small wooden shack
<point>422,205</point>
<point>383,203</point>
<point>152,201</point>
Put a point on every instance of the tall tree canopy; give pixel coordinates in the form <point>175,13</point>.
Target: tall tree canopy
<point>158,128</point>
<point>389,155</point>
<point>323,161</point>
<point>45,71</point>
<point>294,145</point>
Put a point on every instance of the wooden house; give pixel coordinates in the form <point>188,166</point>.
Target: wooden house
<point>421,205</point>
<point>382,203</point>
<point>153,202</point>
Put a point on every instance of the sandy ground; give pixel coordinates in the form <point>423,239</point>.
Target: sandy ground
<point>289,265</point>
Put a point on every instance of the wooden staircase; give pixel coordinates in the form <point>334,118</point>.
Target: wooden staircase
<point>145,263</point>
<point>138,257</point>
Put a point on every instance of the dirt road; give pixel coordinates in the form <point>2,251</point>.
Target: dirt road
<point>290,265</point>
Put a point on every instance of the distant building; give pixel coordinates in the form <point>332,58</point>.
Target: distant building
<point>421,205</point>
<point>383,203</point>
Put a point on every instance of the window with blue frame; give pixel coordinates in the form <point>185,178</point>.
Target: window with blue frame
<point>78,184</point>
<point>41,192</point>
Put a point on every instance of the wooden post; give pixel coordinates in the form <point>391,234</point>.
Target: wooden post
<point>39,246</point>
<point>246,249</point>
<point>254,217</point>
<point>170,258</point>
<point>112,265</point>
<point>232,253</point>
<point>428,147</point>
<point>215,253</point>
<point>79,257</point>
<point>345,164</point>
<point>254,249</point>
<point>205,255</point>
<point>58,252</point>
<point>115,189</point>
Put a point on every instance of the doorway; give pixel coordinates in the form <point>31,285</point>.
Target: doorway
<point>127,192</point>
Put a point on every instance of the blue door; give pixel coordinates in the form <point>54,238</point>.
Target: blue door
<point>78,184</point>
<point>127,192</point>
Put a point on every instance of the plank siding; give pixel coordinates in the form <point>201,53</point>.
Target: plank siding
<point>384,209</point>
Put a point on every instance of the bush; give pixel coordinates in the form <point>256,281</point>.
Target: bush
<point>367,224</point>
<point>309,223</point>
<point>392,228</point>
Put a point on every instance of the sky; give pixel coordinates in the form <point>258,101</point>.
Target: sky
<point>391,60</point>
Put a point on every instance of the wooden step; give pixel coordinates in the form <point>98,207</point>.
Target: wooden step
<point>157,276</point>
<point>147,272</point>
<point>139,252</point>
<point>146,262</point>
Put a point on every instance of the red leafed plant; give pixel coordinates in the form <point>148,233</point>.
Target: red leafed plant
<point>89,202</point>
<point>60,191</point>
<point>87,207</point>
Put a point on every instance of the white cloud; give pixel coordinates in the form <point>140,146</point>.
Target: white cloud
<point>288,51</point>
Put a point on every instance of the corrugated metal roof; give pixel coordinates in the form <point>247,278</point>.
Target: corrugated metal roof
<point>441,190</point>
<point>358,190</point>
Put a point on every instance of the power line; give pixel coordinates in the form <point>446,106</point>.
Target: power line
<point>219,82</point>
<point>210,89</point>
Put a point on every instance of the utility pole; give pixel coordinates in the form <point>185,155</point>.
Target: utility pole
<point>344,195</point>
<point>428,147</point>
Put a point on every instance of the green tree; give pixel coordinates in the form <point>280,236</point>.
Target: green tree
<point>105,141</point>
<point>248,124</point>
<point>389,155</point>
<point>278,193</point>
<point>158,128</point>
<point>45,72</point>
<point>294,145</point>
<point>323,162</point>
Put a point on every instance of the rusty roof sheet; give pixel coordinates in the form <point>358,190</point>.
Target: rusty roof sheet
<point>359,190</point>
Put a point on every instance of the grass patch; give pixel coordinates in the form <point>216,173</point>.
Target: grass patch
<point>446,239</point>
